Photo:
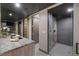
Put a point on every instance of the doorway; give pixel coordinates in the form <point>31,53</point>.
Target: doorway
<point>60,32</point>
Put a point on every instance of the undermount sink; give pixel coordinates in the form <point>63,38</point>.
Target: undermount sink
<point>14,38</point>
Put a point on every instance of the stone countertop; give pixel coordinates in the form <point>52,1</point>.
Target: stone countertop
<point>6,45</point>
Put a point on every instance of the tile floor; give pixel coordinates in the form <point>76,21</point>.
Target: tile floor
<point>61,50</point>
<point>58,50</point>
<point>38,52</point>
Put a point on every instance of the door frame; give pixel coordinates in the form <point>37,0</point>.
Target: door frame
<point>48,24</point>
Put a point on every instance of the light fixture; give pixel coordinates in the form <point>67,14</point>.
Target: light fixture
<point>10,14</point>
<point>17,5</point>
<point>70,10</point>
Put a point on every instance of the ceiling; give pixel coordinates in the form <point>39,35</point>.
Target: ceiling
<point>61,11</point>
<point>25,10</point>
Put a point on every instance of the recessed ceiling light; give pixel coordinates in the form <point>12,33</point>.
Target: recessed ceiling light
<point>70,9</point>
<point>17,5</point>
<point>10,14</point>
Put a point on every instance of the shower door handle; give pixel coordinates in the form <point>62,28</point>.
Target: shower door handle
<point>53,30</point>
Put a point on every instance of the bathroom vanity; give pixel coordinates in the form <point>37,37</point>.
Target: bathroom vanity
<point>24,47</point>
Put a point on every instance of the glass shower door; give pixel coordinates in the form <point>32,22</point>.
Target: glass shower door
<point>52,32</point>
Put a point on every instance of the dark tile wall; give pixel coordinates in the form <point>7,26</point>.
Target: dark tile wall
<point>26,28</point>
<point>64,30</point>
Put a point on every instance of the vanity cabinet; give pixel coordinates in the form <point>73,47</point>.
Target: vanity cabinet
<point>27,50</point>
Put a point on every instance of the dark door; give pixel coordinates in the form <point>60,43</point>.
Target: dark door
<point>52,31</point>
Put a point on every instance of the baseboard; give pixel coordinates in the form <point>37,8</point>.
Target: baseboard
<point>43,51</point>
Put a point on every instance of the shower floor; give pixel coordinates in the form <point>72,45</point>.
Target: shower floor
<point>61,50</point>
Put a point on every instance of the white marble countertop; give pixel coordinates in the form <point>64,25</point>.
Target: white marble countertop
<point>6,45</point>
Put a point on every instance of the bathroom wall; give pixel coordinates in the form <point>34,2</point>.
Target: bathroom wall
<point>76,26</point>
<point>0,18</point>
<point>64,31</point>
<point>35,28</point>
<point>43,37</point>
